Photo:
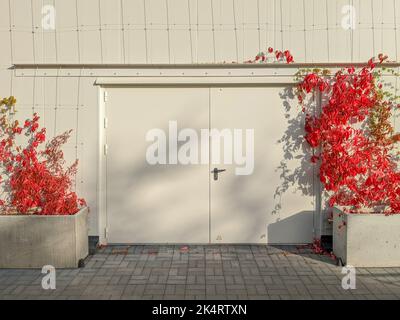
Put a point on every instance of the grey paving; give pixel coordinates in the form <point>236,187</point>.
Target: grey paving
<point>203,272</point>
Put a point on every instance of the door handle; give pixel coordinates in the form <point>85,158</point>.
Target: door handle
<point>216,171</point>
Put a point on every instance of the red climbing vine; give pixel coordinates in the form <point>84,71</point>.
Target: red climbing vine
<point>33,180</point>
<point>271,55</point>
<point>352,138</point>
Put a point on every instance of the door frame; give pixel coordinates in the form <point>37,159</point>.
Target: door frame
<point>198,78</point>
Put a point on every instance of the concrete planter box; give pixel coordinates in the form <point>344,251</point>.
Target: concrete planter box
<point>32,241</point>
<point>367,240</point>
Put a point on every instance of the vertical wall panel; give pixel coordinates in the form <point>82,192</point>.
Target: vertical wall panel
<point>296,43</point>
<point>364,46</point>
<point>396,116</point>
<point>21,24</point>
<point>67,25</point>
<point>388,36</point>
<point>250,24</point>
<point>180,34</point>
<point>378,24</point>
<point>309,26</point>
<point>23,90</point>
<point>317,24</point>
<point>159,49</point>
<point>396,11</point>
<point>134,31</point>
<point>334,17</point>
<point>68,91</point>
<point>5,83</point>
<point>88,143</point>
<point>66,120</point>
<point>40,98</point>
<point>284,12</point>
<point>225,33</point>
<point>205,34</point>
<point>270,23</point>
<point>263,17</point>
<point>192,5</point>
<point>45,40</point>
<point>111,31</point>
<point>90,31</point>
<point>340,41</point>
<point>5,53</point>
<point>279,26</point>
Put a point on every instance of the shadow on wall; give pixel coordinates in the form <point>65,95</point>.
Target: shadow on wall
<point>294,148</point>
<point>298,178</point>
<point>304,177</point>
<point>291,229</point>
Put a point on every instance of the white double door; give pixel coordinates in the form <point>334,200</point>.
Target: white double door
<point>158,193</point>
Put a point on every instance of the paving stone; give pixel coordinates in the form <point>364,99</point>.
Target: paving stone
<point>203,272</point>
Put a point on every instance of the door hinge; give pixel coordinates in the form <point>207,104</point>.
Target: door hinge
<point>105,96</point>
<point>106,232</point>
<point>105,149</point>
<point>105,123</point>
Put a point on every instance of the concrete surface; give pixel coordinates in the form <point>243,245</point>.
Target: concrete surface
<point>367,240</point>
<point>32,241</point>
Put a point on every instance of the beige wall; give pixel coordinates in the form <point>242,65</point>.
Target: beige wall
<point>191,31</point>
<point>168,31</point>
